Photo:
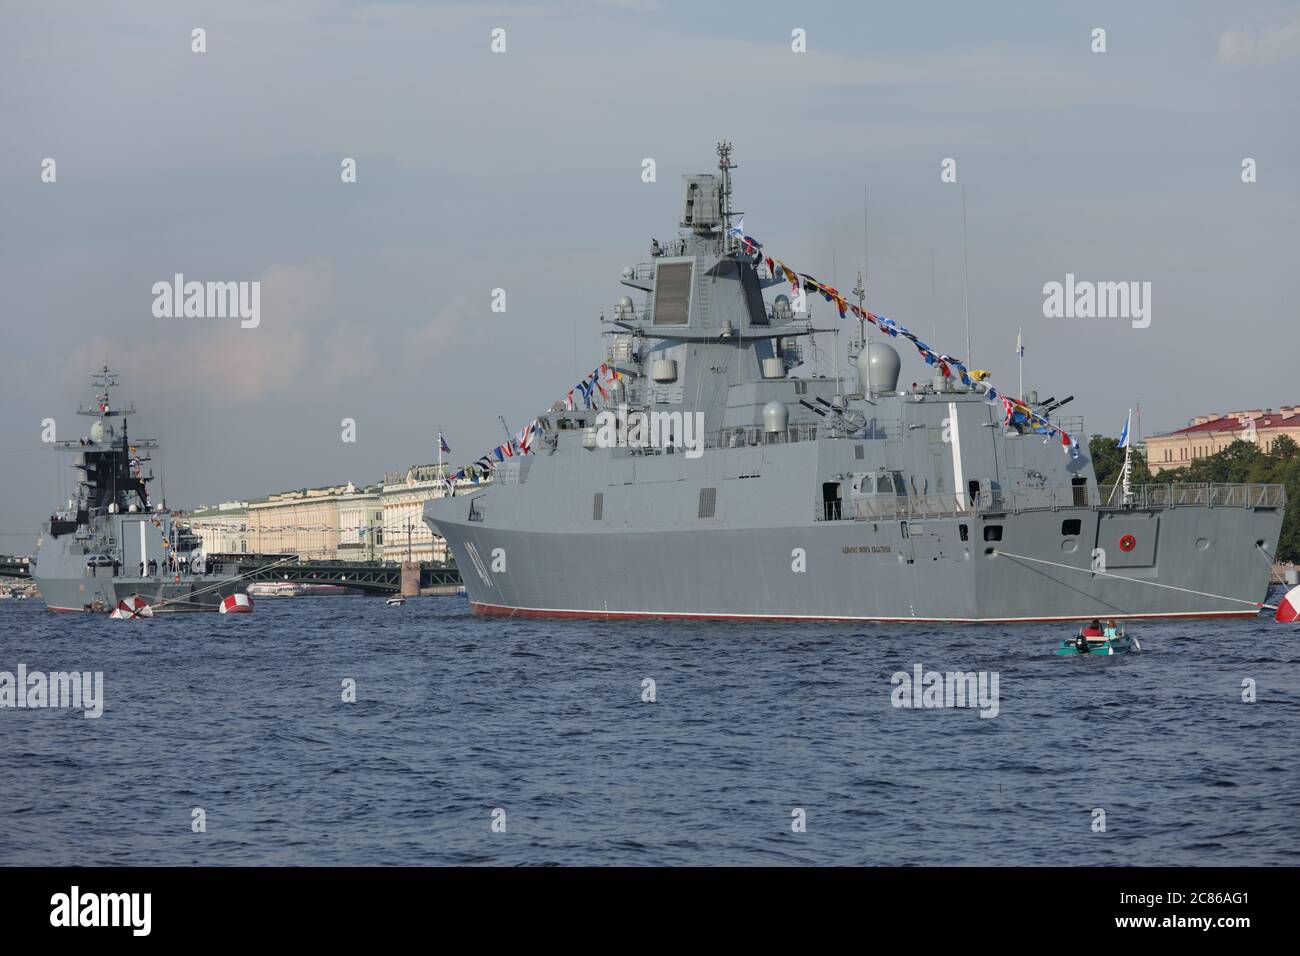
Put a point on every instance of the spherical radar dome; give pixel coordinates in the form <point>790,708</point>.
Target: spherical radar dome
<point>878,368</point>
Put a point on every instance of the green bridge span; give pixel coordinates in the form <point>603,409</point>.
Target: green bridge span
<point>371,578</point>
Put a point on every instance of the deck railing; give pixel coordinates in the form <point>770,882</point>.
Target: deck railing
<point>751,435</point>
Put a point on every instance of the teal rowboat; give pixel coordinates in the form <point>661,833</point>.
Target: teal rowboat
<point>1115,645</point>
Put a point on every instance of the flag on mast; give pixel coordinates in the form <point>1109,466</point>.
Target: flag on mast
<point>1020,349</point>
<point>442,444</point>
<point>1123,435</point>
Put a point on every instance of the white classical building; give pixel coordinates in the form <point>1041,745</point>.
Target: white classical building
<point>361,524</point>
<point>406,536</point>
<point>222,528</point>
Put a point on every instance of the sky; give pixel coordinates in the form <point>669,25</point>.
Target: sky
<point>522,170</point>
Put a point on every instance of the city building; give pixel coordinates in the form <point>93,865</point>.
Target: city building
<point>361,525</point>
<point>305,522</point>
<point>222,528</point>
<point>1209,434</point>
<point>380,522</point>
<point>406,536</point>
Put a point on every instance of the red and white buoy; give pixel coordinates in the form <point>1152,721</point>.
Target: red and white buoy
<point>1288,609</point>
<point>130,608</point>
<point>237,604</point>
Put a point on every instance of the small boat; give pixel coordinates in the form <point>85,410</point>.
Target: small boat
<point>1092,641</point>
<point>395,601</point>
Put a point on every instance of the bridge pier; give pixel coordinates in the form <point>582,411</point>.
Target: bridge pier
<point>410,579</point>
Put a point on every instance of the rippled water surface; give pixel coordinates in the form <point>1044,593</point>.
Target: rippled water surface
<point>457,716</point>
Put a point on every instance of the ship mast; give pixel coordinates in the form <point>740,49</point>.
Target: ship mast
<point>860,290</point>
<point>726,166</point>
<point>109,467</point>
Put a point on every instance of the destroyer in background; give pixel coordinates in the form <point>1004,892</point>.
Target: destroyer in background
<point>112,542</point>
<point>829,497</point>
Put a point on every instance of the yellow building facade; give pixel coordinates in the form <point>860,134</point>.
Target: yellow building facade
<point>305,523</point>
<point>1212,433</point>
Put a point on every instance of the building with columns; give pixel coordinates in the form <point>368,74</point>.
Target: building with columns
<point>361,525</point>
<point>223,528</point>
<point>305,522</point>
<point>380,522</point>
<point>406,536</point>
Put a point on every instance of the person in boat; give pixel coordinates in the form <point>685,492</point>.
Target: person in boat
<point>1093,629</point>
<point>1111,631</point>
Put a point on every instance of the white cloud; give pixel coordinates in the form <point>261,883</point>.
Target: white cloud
<point>1261,47</point>
<point>217,362</point>
<point>454,315</point>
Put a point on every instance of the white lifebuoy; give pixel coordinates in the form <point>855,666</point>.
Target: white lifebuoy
<point>130,608</point>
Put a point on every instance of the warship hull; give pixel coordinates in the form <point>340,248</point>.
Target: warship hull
<point>856,572</point>
<point>75,573</point>
<point>523,550</point>
<point>165,596</point>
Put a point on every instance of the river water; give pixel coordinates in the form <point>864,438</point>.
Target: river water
<point>529,742</point>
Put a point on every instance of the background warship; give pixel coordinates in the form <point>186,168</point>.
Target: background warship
<point>111,542</point>
<point>827,497</point>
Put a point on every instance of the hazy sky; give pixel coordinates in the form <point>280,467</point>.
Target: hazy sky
<point>522,170</point>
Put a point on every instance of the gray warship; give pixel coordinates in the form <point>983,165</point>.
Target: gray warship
<point>111,542</point>
<point>832,497</point>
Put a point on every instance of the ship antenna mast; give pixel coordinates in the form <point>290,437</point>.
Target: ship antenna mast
<point>726,165</point>
<point>860,291</point>
<point>965,274</point>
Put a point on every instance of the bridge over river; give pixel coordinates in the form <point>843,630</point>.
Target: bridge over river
<point>372,578</point>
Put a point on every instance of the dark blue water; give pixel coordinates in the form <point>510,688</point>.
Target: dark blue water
<point>456,716</point>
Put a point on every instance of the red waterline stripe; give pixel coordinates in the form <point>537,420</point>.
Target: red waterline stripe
<point>500,610</point>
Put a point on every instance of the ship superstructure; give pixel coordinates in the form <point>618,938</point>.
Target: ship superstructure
<point>112,540</point>
<point>726,478</point>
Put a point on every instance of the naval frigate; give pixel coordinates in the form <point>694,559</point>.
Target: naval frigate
<point>825,497</point>
<point>111,542</point>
